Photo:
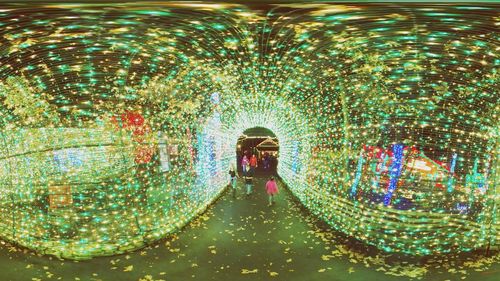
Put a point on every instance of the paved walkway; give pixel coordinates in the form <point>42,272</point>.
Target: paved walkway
<point>244,239</point>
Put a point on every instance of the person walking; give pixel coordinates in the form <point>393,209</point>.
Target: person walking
<point>266,161</point>
<point>244,164</point>
<point>248,180</point>
<point>253,163</point>
<point>233,176</point>
<point>271,189</point>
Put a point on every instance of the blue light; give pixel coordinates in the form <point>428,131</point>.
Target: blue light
<point>452,172</point>
<point>212,156</point>
<point>395,171</point>
<point>295,157</point>
<point>358,174</point>
<point>453,163</point>
<point>214,98</point>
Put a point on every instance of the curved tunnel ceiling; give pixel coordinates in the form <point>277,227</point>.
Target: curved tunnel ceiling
<point>387,117</point>
<point>259,132</point>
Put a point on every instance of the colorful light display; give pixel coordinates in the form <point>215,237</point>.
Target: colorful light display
<point>119,122</point>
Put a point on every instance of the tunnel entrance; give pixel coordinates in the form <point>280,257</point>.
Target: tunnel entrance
<point>262,143</point>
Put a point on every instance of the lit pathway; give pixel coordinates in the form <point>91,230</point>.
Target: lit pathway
<point>243,239</point>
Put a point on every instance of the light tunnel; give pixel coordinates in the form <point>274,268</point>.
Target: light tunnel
<point>119,122</point>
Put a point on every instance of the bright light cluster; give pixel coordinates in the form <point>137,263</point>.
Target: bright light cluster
<point>119,122</point>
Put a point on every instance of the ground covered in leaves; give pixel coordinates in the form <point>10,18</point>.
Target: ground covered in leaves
<point>244,239</point>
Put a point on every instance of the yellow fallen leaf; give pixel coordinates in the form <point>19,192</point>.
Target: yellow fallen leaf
<point>322,270</point>
<point>128,268</point>
<point>147,278</point>
<point>246,271</point>
<point>273,274</point>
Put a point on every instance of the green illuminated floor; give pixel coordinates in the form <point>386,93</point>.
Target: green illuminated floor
<point>244,239</point>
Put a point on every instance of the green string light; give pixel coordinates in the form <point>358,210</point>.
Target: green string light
<point>112,138</point>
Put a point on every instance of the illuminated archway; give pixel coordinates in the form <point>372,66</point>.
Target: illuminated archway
<point>289,126</point>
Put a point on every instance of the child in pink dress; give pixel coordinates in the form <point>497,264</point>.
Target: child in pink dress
<point>272,189</point>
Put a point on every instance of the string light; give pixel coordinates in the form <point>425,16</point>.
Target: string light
<point>118,125</point>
